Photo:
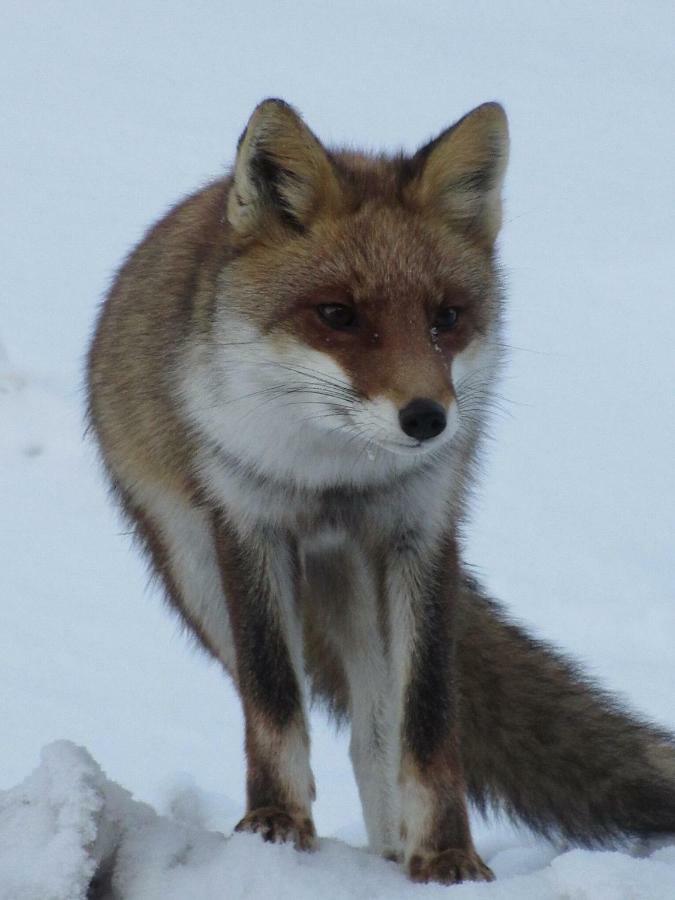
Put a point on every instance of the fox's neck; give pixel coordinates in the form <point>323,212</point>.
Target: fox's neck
<point>429,496</point>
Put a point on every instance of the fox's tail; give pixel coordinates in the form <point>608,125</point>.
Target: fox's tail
<point>542,742</point>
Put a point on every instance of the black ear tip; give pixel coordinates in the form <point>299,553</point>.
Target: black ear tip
<point>275,100</point>
<point>274,112</point>
<point>492,112</point>
<point>275,104</point>
<point>494,106</point>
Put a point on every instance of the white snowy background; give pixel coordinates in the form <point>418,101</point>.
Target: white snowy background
<point>109,112</point>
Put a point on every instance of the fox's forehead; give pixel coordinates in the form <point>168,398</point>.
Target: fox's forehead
<point>385,251</point>
<point>380,255</point>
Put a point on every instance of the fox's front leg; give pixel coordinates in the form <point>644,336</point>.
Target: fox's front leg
<point>434,819</point>
<point>259,575</point>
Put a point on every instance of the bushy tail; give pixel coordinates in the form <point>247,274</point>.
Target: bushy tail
<point>542,742</point>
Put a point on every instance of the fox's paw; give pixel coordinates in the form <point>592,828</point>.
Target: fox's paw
<point>277,826</point>
<point>448,867</point>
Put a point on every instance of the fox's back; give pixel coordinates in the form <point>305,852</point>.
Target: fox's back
<point>159,297</point>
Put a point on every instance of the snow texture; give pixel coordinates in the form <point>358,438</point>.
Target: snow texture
<point>110,113</point>
<point>67,833</point>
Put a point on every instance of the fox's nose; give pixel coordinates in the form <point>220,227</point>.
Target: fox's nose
<point>422,419</point>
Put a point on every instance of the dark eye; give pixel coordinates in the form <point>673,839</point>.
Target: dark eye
<point>446,318</point>
<point>337,315</point>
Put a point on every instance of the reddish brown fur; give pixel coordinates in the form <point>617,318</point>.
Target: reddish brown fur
<point>398,238</point>
<point>178,264</point>
<point>163,291</point>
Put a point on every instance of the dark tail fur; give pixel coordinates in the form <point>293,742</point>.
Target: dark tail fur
<point>542,742</point>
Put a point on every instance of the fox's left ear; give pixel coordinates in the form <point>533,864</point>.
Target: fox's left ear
<point>460,173</point>
<point>282,175</point>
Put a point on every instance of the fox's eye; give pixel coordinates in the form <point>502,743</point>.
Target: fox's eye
<point>337,315</point>
<point>446,318</point>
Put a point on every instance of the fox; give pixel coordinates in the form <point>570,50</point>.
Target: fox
<point>289,383</point>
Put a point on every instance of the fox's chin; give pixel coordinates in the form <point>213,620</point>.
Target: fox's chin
<point>376,444</point>
<point>414,448</point>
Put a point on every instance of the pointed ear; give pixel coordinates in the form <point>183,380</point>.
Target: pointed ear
<point>459,174</point>
<point>282,174</point>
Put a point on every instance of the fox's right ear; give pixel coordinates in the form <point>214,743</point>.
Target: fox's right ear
<point>282,174</point>
<point>459,175</point>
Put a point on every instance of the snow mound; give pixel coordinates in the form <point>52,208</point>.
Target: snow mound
<point>68,833</point>
<point>48,827</point>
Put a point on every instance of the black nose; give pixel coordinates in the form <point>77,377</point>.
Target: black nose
<point>422,419</point>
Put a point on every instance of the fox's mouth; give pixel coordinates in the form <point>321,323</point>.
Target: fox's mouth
<point>414,448</point>
<point>363,435</point>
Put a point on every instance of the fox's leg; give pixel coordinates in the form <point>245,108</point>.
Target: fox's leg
<point>390,620</point>
<point>260,575</point>
<point>179,538</point>
<point>187,549</point>
<point>422,584</point>
<point>344,595</point>
<point>375,723</point>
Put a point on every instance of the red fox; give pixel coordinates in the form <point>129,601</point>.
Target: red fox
<point>289,382</point>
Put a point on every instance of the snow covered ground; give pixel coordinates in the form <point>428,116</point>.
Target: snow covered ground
<point>112,111</point>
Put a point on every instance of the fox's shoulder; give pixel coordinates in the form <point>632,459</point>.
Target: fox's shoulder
<point>193,222</point>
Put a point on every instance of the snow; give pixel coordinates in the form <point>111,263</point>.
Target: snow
<point>67,823</point>
<point>111,112</point>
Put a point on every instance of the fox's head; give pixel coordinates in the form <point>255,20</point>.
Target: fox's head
<point>358,317</point>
